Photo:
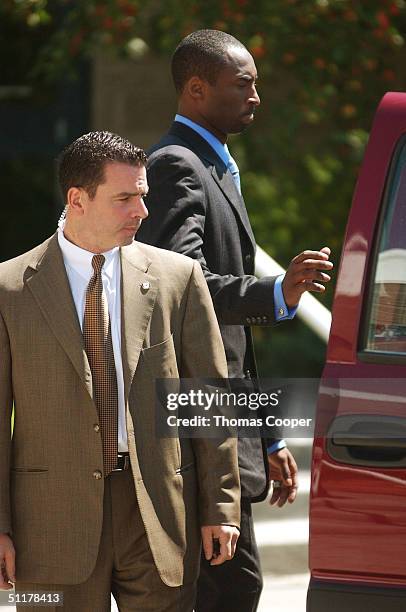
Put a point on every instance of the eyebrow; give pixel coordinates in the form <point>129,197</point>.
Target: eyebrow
<point>126,194</point>
<point>247,77</point>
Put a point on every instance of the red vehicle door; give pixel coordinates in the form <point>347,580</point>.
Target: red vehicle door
<point>358,493</point>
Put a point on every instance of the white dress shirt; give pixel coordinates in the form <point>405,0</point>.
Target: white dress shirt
<point>78,264</point>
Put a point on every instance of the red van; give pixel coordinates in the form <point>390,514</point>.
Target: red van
<point>358,492</point>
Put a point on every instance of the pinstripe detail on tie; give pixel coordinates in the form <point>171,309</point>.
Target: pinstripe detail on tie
<point>99,349</point>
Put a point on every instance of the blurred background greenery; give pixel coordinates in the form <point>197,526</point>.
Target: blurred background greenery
<point>323,67</point>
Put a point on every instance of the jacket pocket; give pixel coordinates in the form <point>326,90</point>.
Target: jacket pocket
<point>161,359</point>
<point>29,470</point>
<point>163,346</point>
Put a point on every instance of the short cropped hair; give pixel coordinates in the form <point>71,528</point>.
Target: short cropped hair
<point>201,54</point>
<point>82,163</point>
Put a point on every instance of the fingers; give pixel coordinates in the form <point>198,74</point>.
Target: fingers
<point>312,275</point>
<point>283,494</point>
<point>290,480</point>
<point>316,256</point>
<point>227,547</point>
<point>7,563</point>
<point>293,470</point>
<point>283,467</point>
<point>207,542</point>
<point>292,494</point>
<point>275,496</point>
<point>5,578</point>
<point>223,540</point>
<point>234,540</point>
<point>295,483</point>
<point>283,461</point>
<point>303,274</point>
<point>225,550</point>
<point>10,564</point>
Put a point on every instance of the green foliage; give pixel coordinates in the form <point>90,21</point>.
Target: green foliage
<point>289,349</point>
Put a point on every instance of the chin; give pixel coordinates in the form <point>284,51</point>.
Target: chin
<point>237,129</point>
<point>127,241</point>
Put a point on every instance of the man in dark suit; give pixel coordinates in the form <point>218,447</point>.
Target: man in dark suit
<point>196,208</point>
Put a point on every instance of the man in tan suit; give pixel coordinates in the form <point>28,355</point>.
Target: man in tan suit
<point>91,501</point>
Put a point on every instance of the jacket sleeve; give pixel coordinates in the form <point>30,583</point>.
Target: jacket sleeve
<point>6,404</point>
<point>203,356</point>
<point>177,203</point>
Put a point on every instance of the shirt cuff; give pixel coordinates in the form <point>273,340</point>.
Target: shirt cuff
<point>278,445</point>
<point>282,312</point>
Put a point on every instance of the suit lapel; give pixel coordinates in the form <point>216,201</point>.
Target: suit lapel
<point>138,294</point>
<point>219,172</point>
<point>226,183</point>
<point>50,288</point>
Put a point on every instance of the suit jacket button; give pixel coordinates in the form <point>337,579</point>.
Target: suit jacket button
<point>96,427</point>
<point>248,258</point>
<point>97,474</point>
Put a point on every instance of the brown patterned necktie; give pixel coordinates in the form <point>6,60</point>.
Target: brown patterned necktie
<point>99,349</point>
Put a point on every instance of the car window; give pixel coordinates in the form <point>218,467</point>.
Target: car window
<point>386,324</point>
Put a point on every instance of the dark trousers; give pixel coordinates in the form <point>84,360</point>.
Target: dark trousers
<point>236,585</point>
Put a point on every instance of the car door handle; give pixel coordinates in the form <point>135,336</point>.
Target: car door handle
<point>342,439</point>
<point>367,439</point>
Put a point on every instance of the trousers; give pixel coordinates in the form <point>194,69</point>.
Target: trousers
<point>234,586</point>
<point>124,567</point>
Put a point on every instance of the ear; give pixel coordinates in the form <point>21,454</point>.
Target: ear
<point>196,88</point>
<point>75,199</point>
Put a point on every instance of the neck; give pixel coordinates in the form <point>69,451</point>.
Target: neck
<point>82,240</point>
<point>194,115</point>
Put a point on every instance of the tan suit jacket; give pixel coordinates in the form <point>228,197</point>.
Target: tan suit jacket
<point>50,498</point>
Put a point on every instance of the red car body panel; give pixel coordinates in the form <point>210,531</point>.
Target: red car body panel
<point>358,512</point>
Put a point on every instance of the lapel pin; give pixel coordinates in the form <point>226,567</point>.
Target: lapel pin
<point>145,286</point>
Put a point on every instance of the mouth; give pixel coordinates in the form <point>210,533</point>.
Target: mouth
<point>248,116</point>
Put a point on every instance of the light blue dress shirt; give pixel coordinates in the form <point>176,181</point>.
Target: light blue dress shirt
<point>282,312</point>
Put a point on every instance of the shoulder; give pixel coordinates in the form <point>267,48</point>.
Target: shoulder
<point>174,273</point>
<point>161,262</point>
<point>173,151</point>
<point>12,271</point>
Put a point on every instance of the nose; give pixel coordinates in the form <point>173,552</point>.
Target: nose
<point>140,210</point>
<point>144,209</point>
<point>254,98</point>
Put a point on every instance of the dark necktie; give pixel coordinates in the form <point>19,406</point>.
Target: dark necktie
<point>99,349</point>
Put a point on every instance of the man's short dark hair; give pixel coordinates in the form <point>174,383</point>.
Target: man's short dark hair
<point>82,163</point>
<point>202,54</point>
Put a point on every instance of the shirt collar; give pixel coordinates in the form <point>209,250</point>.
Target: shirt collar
<point>220,148</point>
<point>80,260</point>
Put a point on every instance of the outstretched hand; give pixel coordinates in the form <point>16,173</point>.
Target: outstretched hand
<point>306,272</point>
